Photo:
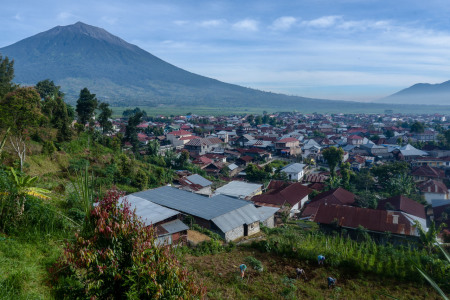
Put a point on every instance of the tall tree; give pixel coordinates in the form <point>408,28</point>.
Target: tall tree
<point>417,127</point>
<point>131,134</point>
<point>21,111</point>
<point>333,156</point>
<point>86,106</point>
<point>6,76</point>
<point>105,115</point>
<point>385,172</point>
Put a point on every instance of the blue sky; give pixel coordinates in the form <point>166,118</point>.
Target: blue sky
<point>350,49</point>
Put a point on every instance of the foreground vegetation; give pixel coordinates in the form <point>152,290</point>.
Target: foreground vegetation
<point>220,275</point>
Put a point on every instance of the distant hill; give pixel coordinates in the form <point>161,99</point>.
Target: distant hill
<point>80,55</point>
<point>422,93</point>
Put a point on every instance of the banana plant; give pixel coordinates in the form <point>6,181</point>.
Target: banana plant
<point>25,186</point>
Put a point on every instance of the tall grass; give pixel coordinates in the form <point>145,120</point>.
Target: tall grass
<point>360,257</point>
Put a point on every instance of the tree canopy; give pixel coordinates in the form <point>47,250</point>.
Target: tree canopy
<point>333,156</point>
<point>21,109</point>
<point>6,76</point>
<point>86,106</point>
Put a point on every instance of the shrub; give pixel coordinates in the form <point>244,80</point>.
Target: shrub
<point>116,257</point>
<point>254,263</point>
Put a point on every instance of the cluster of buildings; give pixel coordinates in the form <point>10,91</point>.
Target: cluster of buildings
<point>224,146</point>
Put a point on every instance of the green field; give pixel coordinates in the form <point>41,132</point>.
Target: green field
<point>217,111</point>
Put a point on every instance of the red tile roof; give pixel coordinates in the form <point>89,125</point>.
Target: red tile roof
<point>336,196</point>
<point>404,204</point>
<point>371,219</point>
<point>203,160</point>
<point>427,171</point>
<point>279,193</point>
<point>355,137</point>
<point>433,186</point>
<point>180,132</point>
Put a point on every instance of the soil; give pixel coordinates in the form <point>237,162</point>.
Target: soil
<point>195,237</point>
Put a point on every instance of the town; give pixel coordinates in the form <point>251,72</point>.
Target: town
<point>275,164</point>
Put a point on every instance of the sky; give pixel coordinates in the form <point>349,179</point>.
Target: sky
<point>359,50</point>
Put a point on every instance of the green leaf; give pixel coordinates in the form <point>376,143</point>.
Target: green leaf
<point>433,283</point>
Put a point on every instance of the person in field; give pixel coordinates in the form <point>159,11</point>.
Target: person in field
<point>300,273</point>
<point>320,259</point>
<point>242,268</point>
<point>331,282</point>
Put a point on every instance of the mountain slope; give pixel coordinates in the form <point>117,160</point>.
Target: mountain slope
<point>422,93</point>
<point>81,55</point>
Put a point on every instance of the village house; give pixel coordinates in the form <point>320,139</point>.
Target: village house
<point>202,146</point>
<point>288,146</point>
<point>375,222</point>
<point>170,230</point>
<point>338,196</point>
<point>196,183</point>
<point>294,171</point>
<point>281,194</point>
<point>239,189</point>
<point>180,137</point>
<point>231,218</point>
<point>433,189</point>
<point>424,173</point>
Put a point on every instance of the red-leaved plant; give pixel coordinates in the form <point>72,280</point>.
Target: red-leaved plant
<point>116,257</point>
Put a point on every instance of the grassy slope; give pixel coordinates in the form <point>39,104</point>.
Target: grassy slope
<point>221,276</point>
<point>23,267</point>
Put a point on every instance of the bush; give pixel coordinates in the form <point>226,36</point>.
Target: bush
<point>254,263</point>
<point>116,256</point>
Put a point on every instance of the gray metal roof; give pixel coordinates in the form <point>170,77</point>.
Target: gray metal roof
<point>197,179</point>
<point>266,212</point>
<point>245,215</point>
<point>232,167</point>
<point>409,150</point>
<point>191,203</point>
<point>238,189</point>
<point>293,168</point>
<point>174,226</point>
<point>150,212</point>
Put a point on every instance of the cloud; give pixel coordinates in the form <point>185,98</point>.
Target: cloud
<point>109,20</point>
<point>64,16</point>
<point>283,23</point>
<point>246,25</point>
<point>181,22</point>
<point>212,23</point>
<point>322,22</point>
<point>18,17</point>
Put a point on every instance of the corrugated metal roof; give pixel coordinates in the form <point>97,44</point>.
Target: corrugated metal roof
<point>266,212</point>
<point>245,215</point>
<point>150,212</point>
<point>197,179</point>
<point>191,203</point>
<point>371,219</point>
<point>174,226</point>
<point>238,189</point>
<point>294,168</point>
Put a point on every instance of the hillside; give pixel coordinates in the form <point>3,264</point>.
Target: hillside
<point>422,93</point>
